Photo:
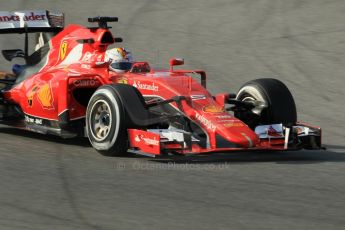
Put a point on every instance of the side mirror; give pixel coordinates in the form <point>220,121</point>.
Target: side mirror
<point>175,61</point>
<point>10,54</point>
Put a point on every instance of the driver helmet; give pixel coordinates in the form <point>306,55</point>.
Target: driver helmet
<point>120,59</point>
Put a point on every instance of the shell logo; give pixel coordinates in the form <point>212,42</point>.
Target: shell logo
<point>45,97</point>
<point>122,81</point>
<point>233,124</point>
<point>213,109</point>
<point>63,50</point>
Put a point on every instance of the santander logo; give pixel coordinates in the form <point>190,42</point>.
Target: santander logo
<point>32,16</point>
<point>148,141</point>
<point>150,86</point>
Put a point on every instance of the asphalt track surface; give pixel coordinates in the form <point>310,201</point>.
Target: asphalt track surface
<point>49,183</point>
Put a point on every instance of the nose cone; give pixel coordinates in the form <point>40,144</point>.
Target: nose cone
<point>231,129</point>
<point>238,133</point>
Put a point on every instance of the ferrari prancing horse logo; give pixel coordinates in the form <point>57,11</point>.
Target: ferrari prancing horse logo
<point>63,50</point>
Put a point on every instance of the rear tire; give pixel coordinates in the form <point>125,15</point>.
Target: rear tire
<point>281,106</point>
<point>105,122</point>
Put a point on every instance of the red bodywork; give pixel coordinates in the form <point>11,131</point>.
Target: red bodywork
<point>76,62</point>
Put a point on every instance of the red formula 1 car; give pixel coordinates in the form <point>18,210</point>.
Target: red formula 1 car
<point>66,89</point>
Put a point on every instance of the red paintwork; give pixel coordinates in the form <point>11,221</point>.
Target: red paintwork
<point>72,65</point>
<point>145,141</point>
<point>78,62</point>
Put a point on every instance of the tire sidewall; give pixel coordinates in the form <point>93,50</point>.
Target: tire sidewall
<point>115,107</point>
<point>281,107</point>
<point>253,91</point>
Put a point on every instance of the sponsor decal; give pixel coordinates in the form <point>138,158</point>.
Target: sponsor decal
<point>29,16</point>
<point>213,109</point>
<point>270,131</point>
<point>198,97</point>
<point>100,58</point>
<point>45,97</point>
<point>85,82</point>
<point>223,116</point>
<point>225,121</point>
<point>32,120</point>
<point>273,133</point>
<point>63,50</point>
<point>148,141</point>
<point>145,86</point>
<point>30,95</point>
<point>87,57</point>
<point>205,122</point>
<point>69,56</point>
<point>122,80</point>
<point>86,66</point>
<point>233,124</point>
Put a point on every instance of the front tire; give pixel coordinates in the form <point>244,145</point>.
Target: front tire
<point>279,104</point>
<point>105,122</point>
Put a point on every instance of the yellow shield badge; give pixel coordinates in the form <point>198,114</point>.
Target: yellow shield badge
<point>63,50</point>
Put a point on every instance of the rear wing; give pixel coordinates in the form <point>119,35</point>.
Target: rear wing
<point>31,21</point>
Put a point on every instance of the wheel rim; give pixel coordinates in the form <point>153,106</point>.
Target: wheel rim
<point>249,98</point>
<point>100,120</point>
<point>259,112</point>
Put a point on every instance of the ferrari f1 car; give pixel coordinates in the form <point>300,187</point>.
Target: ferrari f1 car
<point>65,88</point>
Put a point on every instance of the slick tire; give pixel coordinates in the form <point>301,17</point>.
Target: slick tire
<point>281,106</point>
<point>105,122</point>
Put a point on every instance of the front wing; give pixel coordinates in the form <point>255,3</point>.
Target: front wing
<point>276,137</point>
